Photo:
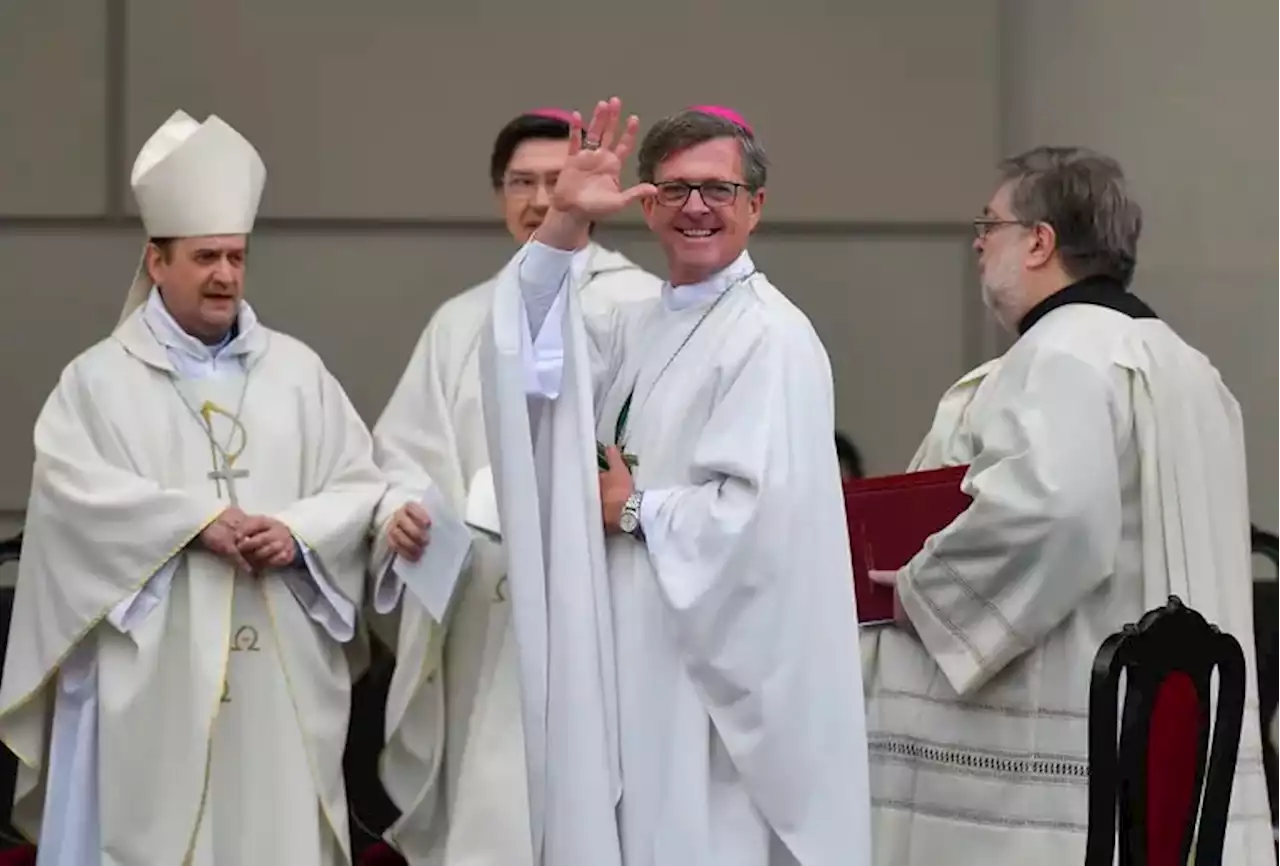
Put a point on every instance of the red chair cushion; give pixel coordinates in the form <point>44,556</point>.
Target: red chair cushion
<point>24,856</point>
<point>378,854</point>
<point>1174,737</point>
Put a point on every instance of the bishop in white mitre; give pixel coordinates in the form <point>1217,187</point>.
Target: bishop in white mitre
<point>176,688</point>
<point>684,613</point>
<point>454,761</point>
<point>1107,473</point>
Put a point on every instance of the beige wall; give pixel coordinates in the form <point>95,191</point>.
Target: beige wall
<point>1183,94</point>
<point>376,129</point>
<point>362,297</point>
<point>882,120</point>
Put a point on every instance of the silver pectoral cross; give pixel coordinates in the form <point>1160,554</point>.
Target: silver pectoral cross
<point>229,475</point>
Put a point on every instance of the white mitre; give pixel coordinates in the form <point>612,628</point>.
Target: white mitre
<point>194,180</point>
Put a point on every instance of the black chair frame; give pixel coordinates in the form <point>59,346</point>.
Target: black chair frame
<point>1165,641</point>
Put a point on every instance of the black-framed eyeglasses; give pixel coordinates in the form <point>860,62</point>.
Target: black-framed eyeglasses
<point>714,193</point>
<point>983,226</point>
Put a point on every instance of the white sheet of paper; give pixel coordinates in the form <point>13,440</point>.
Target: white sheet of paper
<point>482,505</point>
<point>433,579</point>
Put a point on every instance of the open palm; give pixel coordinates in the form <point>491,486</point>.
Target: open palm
<point>590,183</point>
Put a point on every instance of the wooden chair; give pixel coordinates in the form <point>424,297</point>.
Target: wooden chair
<point>378,854</point>
<point>22,856</point>
<point>1170,788</point>
<point>1266,602</point>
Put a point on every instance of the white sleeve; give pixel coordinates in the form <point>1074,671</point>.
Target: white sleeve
<point>1040,535</point>
<point>319,598</point>
<point>129,613</point>
<point>388,588</point>
<point>543,270</point>
<point>543,274</point>
<point>650,515</point>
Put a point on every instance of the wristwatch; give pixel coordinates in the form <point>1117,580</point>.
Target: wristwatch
<point>629,522</point>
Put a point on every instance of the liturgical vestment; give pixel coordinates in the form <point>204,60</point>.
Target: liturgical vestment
<point>454,760</point>
<point>1107,470</point>
<point>198,715</point>
<point>695,697</point>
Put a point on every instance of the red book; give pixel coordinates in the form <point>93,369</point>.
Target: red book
<point>890,518</point>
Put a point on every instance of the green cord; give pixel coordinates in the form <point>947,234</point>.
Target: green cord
<point>602,458</point>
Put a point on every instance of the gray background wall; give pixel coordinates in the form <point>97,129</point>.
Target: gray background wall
<point>883,120</point>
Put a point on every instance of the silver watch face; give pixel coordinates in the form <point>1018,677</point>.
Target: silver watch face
<point>628,521</point>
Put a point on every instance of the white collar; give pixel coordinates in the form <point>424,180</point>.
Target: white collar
<point>692,294</point>
<point>578,265</point>
<point>171,335</point>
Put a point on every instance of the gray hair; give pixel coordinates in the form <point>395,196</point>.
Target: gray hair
<point>689,128</point>
<point>1082,195</point>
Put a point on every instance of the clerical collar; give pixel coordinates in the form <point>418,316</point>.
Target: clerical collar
<point>578,264</point>
<point>171,335</point>
<point>693,294</point>
<point>1100,291</point>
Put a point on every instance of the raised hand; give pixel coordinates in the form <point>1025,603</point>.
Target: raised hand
<point>590,186</point>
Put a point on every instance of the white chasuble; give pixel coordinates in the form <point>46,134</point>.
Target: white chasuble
<point>198,716</point>
<point>256,745</point>
<point>693,698</point>
<point>1107,473</point>
<point>454,761</point>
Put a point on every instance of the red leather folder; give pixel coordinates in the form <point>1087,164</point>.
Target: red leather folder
<point>890,518</point>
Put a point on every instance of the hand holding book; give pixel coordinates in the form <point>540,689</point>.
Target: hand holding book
<point>889,580</point>
<point>890,519</point>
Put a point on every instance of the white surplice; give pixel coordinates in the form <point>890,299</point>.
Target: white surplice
<point>694,698</point>
<point>1107,473</point>
<point>198,716</point>
<point>468,726</point>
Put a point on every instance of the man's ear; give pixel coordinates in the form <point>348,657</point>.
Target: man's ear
<point>156,258</point>
<point>756,207</point>
<point>1045,245</point>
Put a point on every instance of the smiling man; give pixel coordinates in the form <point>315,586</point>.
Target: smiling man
<point>458,778</point>
<point>175,685</point>
<point>686,627</point>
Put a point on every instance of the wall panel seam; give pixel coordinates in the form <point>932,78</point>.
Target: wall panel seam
<point>425,225</point>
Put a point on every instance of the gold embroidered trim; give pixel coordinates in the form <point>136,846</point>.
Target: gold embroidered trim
<point>213,721</point>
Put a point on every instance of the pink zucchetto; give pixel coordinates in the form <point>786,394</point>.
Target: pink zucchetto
<point>551,114</point>
<point>726,113</point>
